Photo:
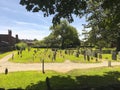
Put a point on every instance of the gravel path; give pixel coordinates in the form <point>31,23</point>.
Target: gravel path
<point>59,67</point>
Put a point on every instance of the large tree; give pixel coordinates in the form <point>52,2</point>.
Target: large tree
<point>103,17</point>
<point>66,33</point>
<point>103,14</point>
<point>52,41</point>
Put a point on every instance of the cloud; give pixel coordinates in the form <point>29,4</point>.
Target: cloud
<point>33,26</point>
<point>27,25</point>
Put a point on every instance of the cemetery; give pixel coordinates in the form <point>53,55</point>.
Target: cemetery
<point>97,78</point>
<point>78,79</point>
<point>36,55</point>
<point>75,47</point>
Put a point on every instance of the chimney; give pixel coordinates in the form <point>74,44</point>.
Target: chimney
<point>10,33</point>
<point>10,37</point>
<point>17,38</point>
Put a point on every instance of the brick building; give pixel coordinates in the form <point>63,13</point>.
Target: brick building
<point>7,40</point>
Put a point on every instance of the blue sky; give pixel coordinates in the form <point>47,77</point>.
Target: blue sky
<point>26,24</point>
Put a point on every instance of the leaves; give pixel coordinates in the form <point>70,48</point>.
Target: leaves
<point>58,8</point>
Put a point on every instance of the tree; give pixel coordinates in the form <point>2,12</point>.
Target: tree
<point>67,34</point>
<point>103,14</point>
<point>21,45</point>
<point>103,17</point>
<point>58,8</point>
<point>52,41</point>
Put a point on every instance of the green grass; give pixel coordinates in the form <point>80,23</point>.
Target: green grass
<point>28,57</point>
<point>4,54</point>
<point>109,57</point>
<point>47,54</point>
<point>73,80</point>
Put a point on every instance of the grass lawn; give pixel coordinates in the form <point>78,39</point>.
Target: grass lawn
<point>109,57</point>
<point>4,54</point>
<point>47,55</point>
<point>73,80</point>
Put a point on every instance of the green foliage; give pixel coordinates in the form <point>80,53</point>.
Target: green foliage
<point>52,41</point>
<point>29,56</point>
<point>64,8</point>
<point>21,45</point>
<point>4,54</point>
<point>75,79</point>
<point>32,57</point>
<point>103,17</point>
<point>67,34</point>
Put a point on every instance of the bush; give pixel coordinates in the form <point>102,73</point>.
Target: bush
<point>21,45</point>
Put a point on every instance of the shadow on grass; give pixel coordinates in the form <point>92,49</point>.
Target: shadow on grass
<point>108,81</point>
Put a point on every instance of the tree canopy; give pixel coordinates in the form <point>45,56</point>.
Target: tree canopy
<point>103,16</point>
<point>58,8</point>
<point>63,35</point>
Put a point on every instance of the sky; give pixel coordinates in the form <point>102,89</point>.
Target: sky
<point>28,25</point>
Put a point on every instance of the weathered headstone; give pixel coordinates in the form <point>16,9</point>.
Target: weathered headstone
<point>65,51</point>
<point>114,55</point>
<point>18,52</point>
<point>88,53</point>
<point>54,55</point>
<point>84,54</point>
<point>96,55</point>
<point>6,71</point>
<point>100,56</point>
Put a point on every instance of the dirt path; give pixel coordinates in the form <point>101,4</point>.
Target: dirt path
<point>59,67</point>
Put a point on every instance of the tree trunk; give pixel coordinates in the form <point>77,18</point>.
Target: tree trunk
<point>118,44</point>
<point>62,44</point>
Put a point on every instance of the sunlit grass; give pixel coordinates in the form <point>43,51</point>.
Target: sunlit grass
<point>4,54</point>
<point>47,55</point>
<point>36,80</point>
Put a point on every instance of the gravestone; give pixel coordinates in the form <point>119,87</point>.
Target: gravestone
<point>18,52</point>
<point>96,55</point>
<point>12,56</point>
<point>114,55</point>
<point>100,56</point>
<point>6,71</point>
<point>65,51</point>
<point>88,53</point>
<point>54,55</point>
<point>77,54</point>
<point>119,55</point>
<point>84,54</point>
